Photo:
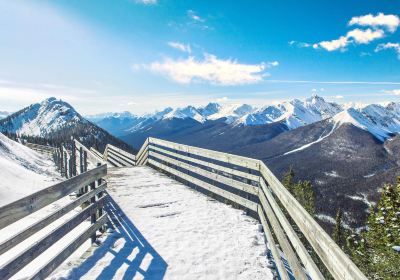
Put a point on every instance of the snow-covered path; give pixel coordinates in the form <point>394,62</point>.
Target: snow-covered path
<point>169,231</point>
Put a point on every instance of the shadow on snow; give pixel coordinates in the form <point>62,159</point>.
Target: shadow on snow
<point>136,254</point>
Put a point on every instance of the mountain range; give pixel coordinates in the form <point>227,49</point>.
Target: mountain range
<point>347,152</point>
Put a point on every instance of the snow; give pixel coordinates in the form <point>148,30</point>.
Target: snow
<point>171,231</point>
<point>330,220</point>
<point>396,248</point>
<point>332,173</point>
<point>42,118</point>
<point>363,198</point>
<point>51,252</point>
<point>311,143</point>
<point>375,119</point>
<point>23,171</point>
<point>231,112</point>
<point>185,113</point>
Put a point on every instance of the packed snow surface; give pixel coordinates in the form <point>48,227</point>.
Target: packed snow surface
<point>170,231</point>
<point>23,171</point>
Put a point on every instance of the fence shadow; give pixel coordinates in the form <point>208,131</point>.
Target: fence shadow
<point>136,255</point>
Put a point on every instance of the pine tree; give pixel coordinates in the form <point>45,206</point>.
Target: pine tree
<point>374,250</point>
<point>338,230</point>
<point>288,180</point>
<point>305,195</point>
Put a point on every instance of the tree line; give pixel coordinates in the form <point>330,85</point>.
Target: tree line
<point>375,248</point>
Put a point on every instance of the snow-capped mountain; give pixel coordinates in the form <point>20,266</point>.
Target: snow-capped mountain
<point>231,112</point>
<point>59,121</point>
<point>43,118</point>
<point>209,109</point>
<point>379,120</point>
<point>186,113</point>
<point>293,113</point>
<point>382,122</point>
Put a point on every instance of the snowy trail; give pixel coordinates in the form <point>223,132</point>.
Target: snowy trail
<point>169,231</point>
<point>312,143</point>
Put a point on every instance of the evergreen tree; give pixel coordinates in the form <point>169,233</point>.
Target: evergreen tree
<point>338,230</point>
<point>288,180</point>
<point>374,251</point>
<point>305,195</point>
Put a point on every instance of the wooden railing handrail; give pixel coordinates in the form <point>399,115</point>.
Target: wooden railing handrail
<point>126,154</point>
<point>166,155</point>
<point>220,156</point>
<point>27,205</point>
<point>90,154</point>
<point>89,188</point>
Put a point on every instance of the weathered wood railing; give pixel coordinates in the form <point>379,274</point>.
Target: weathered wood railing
<point>118,157</point>
<point>249,183</point>
<point>48,150</point>
<point>91,202</point>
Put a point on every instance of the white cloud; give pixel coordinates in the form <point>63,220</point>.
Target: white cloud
<point>391,22</point>
<point>387,46</point>
<point>222,99</point>
<point>365,36</point>
<point>393,91</point>
<point>338,96</point>
<point>191,14</point>
<point>210,69</point>
<point>147,2</point>
<point>333,45</point>
<point>300,44</point>
<point>273,63</point>
<point>357,36</point>
<point>180,46</point>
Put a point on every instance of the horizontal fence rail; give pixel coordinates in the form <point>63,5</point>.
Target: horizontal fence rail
<point>249,183</point>
<point>118,157</point>
<point>47,150</point>
<point>90,196</point>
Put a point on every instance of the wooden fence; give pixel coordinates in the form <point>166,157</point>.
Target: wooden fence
<point>91,202</point>
<point>249,183</point>
<point>118,157</point>
<point>244,181</point>
<point>48,150</point>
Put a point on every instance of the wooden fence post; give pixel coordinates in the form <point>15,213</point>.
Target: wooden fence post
<point>100,195</point>
<point>65,169</point>
<point>93,217</point>
<point>80,160</point>
<point>73,159</point>
<point>85,163</point>
<point>61,161</point>
<point>85,166</point>
<point>70,165</point>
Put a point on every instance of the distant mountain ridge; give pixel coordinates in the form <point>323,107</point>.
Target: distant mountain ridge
<point>381,121</point>
<point>57,120</point>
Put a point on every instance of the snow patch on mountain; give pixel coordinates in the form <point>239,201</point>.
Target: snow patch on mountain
<point>293,113</point>
<point>188,112</point>
<point>231,112</point>
<point>209,109</point>
<point>376,119</point>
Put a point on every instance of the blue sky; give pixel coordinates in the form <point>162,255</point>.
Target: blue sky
<point>116,55</point>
